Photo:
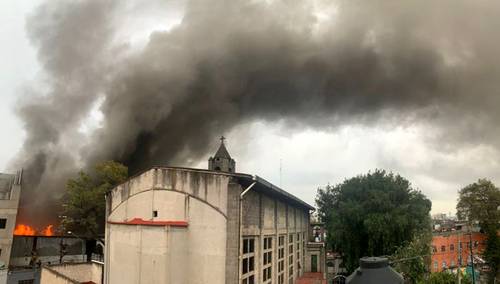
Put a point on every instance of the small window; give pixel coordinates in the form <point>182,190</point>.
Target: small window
<point>3,222</point>
<point>452,247</point>
<point>155,213</point>
<point>248,246</point>
<point>443,248</point>
<point>434,249</point>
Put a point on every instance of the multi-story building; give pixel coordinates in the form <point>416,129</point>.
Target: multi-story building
<point>10,190</point>
<point>180,225</point>
<point>453,248</point>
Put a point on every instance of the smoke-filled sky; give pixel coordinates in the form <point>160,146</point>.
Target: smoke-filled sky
<point>326,89</point>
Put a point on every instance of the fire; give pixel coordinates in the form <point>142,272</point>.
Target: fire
<point>26,230</point>
<point>48,231</point>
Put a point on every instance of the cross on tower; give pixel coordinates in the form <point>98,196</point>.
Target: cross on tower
<point>222,138</point>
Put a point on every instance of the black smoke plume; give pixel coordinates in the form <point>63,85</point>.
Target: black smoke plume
<point>306,63</point>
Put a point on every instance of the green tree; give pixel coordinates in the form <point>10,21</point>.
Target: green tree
<point>480,202</point>
<point>446,277</point>
<point>413,259</point>
<point>442,278</point>
<point>372,215</point>
<point>84,205</point>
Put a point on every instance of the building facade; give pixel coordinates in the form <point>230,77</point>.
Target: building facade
<point>10,190</point>
<point>178,225</point>
<point>451,249</point>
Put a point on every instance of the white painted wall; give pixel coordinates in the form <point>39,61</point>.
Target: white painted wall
<point>168,254</point>
<point>71,273</point>
<point>8,210</point>
<point>3,276</point>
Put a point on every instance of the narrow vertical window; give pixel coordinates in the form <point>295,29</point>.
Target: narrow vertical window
<point>281,260</point>
<point>248,261</point>
<point>267,260</point>
<point>298,250</point>
<point>290,258</point>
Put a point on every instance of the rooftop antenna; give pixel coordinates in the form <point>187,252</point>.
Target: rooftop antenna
<point>281,168</point>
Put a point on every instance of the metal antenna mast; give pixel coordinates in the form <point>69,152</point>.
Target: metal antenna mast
<point>281,168</point>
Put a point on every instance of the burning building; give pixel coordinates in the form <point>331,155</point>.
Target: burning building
<point>181,225</point>
<point>10,189</point>
<point>24,248</point>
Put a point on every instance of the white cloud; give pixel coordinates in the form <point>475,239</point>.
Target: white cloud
<point>312,158</point>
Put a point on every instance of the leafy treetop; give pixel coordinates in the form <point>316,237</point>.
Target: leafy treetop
<point>480,202</point>
<point>84,205</point>
<point>372,215</point>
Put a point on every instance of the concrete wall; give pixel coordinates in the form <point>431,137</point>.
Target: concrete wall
<point>171,254</point>
<point>3,276</point>
<point>222,164</point>
<point>233,233</point>
<point>270,216</point>
<point>317,249</point>
<point>72,273</point>
<point>10,190</point>
<point>174,225</point>
<point>14,276</point>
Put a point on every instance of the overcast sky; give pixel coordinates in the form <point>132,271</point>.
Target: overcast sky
<point>300,160</point>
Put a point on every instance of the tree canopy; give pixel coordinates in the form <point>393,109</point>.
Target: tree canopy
<point>479,203</point>
<point>412,259</point>
<point>372,215</point>
<point>445,277</point>
<point>84,205</point>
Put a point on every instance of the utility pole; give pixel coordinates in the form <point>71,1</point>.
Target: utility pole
<point>472,257</point>
<point>459,260</point>
<point>281,169</point>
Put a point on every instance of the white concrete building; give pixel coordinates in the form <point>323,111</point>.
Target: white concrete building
<point>10,190</point>
<point>72,273</point>
<point>171,225</point>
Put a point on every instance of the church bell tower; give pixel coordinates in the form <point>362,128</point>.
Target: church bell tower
<point>222,161</point>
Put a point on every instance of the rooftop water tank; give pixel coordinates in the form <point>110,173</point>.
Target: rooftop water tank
<point>374,270</point>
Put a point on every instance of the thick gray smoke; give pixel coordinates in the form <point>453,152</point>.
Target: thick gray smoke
<point>310,64</point>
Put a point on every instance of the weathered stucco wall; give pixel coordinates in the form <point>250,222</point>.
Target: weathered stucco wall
<point>72,273</point>
<point>10,189</point>
<point>264,216</point>
<point>168,253</point>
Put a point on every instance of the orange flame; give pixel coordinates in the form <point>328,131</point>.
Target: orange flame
<point>24,230</point>
<point>48,231</point>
